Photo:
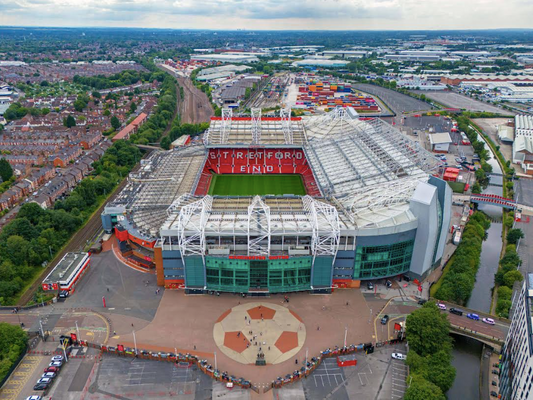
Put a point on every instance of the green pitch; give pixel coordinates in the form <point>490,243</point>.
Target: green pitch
<point>251,185</point>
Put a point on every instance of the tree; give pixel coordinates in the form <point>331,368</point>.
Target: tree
<point>79,105</point>
<point>115,123</point>
<point>428,330</point>
<point>69,122</point>
<point>96,95</point>
<point>514,235</point>
<point>421,389</point>
<point>133,107</point>
<point>6,172</point>
<point>511,277</point>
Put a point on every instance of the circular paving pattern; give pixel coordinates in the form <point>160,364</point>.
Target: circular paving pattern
<point>246,330</point>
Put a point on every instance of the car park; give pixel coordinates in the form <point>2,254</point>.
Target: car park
<point>489,321</point>
<point>384,320</point>
<point>475,317</point>
<point>441,306</point>
<point>399,356</point>
<point>456,311</point>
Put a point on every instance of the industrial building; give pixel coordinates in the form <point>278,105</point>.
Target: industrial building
<point>523,143</point>
<point>320,62</point>
<point>374,207</point>
<point>440,142</point>
<point>224,71</point>
<point>226,57</point>
<point>516,373</point>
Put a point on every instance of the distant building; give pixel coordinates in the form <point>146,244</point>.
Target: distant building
<point>67,272</point>
<point>516,376</point>
<point>523,143</point>
<point>226,57</point>
<point>131,128</point>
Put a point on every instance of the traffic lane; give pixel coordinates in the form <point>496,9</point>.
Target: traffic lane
<point>499,330</point>
<point>20,317</point>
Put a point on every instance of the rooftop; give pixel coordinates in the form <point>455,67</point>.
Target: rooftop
<point>66,267</point>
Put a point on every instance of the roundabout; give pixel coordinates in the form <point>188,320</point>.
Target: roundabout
<point>263,331</point>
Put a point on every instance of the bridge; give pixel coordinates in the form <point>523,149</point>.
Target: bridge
<point>494,200</point>
<point>491,335</point>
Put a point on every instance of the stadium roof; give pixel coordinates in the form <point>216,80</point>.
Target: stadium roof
<point>367,172</point>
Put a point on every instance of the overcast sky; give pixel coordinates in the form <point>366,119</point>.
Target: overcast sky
<point>272,14</point>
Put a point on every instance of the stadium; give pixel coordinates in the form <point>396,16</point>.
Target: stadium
<point>283,204</point>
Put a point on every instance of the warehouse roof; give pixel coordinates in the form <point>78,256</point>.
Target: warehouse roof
<point>440,138</point>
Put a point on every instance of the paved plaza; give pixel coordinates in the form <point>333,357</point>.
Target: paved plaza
<point>263,330</point>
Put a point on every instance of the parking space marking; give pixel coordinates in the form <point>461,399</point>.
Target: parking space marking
<point>20,377</point>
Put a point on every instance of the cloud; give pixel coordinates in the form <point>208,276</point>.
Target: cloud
<point>271,14</point>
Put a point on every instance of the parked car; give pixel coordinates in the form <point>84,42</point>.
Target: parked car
<point>399,356</point>
<point>369,285</point>
<point>388,284</point>
<point>475,317</point>
<point>57,364</point>
<point>57,358</point>
<point>50,375</point>
<point>494,383</point>
<point>494,394</point>
<point>422,302</point>
<point>456,311</point>
<point>489,321</point>
<point>495,372</point>
<point>34,397</point>
<point>441,306</point>
<point>40,386</point>
<point>384,320</point>
<point>45,380</point>
<point>52,369</point>
<point>63,294</point>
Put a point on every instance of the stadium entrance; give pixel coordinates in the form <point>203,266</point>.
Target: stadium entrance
<point>258,275</point>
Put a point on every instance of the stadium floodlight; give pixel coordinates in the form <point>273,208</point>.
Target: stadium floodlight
<point>191,226</point>
<point>326,228</point>
<point>227,115</point>
<point>256,126</point>
<point>258,228</point>
<point>285,114</point>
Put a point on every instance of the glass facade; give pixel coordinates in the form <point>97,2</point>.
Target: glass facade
<point>383,261</point>
<point>276,276</point>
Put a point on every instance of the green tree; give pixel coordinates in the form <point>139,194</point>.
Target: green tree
<point>427,330</point>
<point>96,95</point>
<point>69,122</point>
<point>133,107</point>
<point>79,105</point>
<point>115,123</point>
<point>6,172</point>
<point>511,277</point>
<point>13,341</point>
<point>421,389</point>
<point>514,235</point>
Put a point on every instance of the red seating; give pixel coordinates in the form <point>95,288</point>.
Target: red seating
<point>257,161</point>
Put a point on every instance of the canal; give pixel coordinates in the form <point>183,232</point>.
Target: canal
<point>467,352</point>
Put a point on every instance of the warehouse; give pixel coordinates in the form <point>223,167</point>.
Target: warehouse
<point>440,142</point>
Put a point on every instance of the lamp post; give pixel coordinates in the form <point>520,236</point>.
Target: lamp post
<point>135,342</point>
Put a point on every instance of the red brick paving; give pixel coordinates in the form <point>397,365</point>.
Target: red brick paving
<point>187,321</point>
<point>261,312</point>
<point>287,341</point>
<point>224,315</point>
<point>236,342</point>
<point>296,316</point>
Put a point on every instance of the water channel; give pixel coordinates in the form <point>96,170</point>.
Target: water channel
<point>467,352</point>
